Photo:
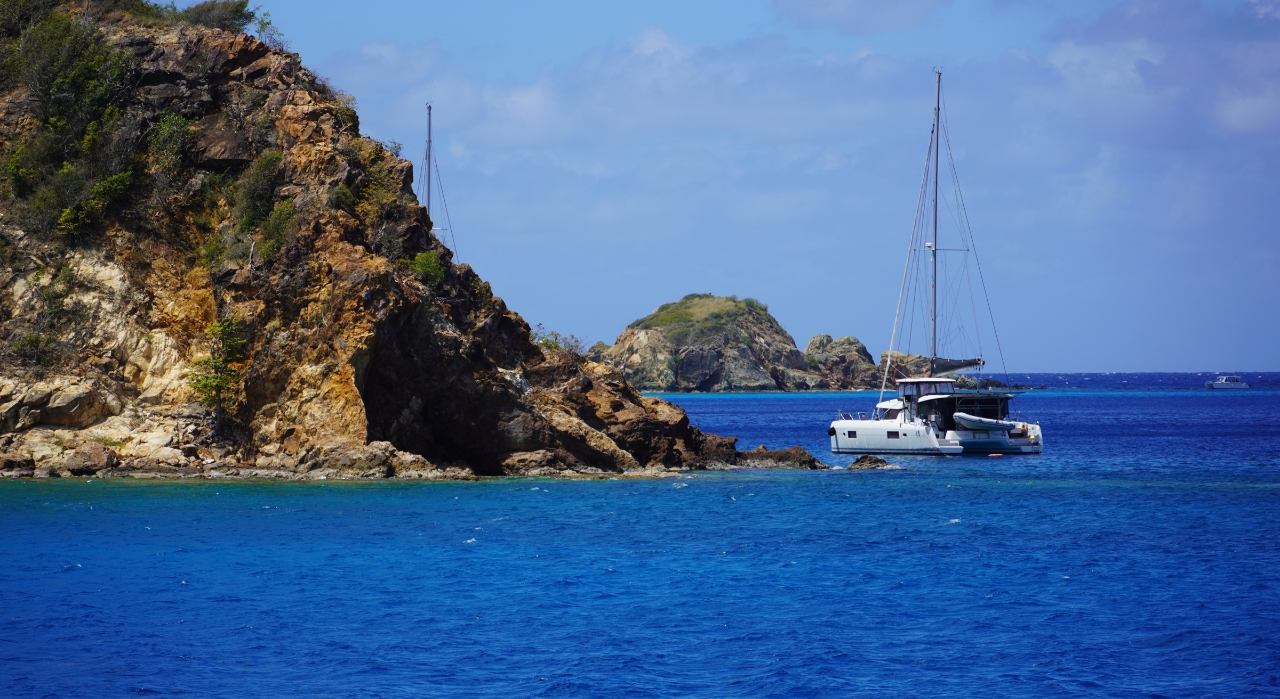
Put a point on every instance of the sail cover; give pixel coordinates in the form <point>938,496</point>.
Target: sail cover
<point>942,367</point>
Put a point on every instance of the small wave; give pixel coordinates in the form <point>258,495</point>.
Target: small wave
<point>469,541</point>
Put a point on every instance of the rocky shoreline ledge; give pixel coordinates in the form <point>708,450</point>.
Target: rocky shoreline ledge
<point>377,461</point>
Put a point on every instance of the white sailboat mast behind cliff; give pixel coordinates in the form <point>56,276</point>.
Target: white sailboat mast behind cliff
<point>930,415</point>
<point>425,192</point>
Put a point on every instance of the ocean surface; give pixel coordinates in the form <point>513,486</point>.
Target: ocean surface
<point>1139,556</point>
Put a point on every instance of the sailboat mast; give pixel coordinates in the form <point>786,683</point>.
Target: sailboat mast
<point>933,249</point>
<point>429,161</point>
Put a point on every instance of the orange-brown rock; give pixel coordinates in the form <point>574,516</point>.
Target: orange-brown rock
<point>356,366</point>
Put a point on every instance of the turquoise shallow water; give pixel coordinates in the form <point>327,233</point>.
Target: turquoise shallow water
<point>1137,557</point>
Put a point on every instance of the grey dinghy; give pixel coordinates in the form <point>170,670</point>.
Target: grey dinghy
<point>973,422</point>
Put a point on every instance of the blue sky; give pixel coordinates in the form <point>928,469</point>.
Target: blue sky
<point>1118,159</point>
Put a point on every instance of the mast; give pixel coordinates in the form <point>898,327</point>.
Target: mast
<point>428,160</point>
<point>933,248</point>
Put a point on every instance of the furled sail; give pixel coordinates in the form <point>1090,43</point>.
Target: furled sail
<point>943,367</point>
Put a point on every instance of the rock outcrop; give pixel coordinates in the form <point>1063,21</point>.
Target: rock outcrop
<point>234,185</point>
<point>845,363</point>
<point>870,462</point>
<point>710,343</point>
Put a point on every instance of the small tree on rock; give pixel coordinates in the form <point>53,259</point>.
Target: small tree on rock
<point>216,380</point>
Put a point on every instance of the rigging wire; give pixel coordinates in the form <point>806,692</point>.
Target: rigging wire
<point>968,229</point>
<point>907,267</point>
<point>445,204</point>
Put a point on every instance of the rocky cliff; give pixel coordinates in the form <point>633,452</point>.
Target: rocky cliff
<point>716,343</point>
<point>162,175</point>
<point>845,363</point>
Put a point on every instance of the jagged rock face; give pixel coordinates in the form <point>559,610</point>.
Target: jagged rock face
<point>709,343</point>
<point>846,363</point>
<point>356,366</point>
<point>904,366</point>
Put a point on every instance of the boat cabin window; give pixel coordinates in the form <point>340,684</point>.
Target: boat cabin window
<point>891,414</point>
<point>925,389</point>
<point>891,435</point>
<point>853,435</point>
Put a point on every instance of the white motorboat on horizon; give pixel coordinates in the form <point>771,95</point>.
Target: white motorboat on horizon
<point>1226,382</point>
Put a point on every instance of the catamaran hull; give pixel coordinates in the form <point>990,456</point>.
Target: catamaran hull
<point>1027,441</point>
<point>897,437</point>
<point>887,437</point>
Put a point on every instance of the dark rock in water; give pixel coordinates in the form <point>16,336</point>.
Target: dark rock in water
<point>867,462</point>
<point>791,458</point>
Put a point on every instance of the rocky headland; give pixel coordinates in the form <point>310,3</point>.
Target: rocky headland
<point>207,271</point>
<point>721,343</point>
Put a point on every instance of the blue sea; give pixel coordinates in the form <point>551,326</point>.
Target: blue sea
<point>1138,556</point>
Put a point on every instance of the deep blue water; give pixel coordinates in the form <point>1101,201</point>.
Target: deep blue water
<point>1139,556</point>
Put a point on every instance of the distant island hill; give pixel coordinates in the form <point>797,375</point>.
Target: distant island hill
<point>722,343</point>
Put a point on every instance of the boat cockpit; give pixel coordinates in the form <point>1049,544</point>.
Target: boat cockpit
<point>936,401</point>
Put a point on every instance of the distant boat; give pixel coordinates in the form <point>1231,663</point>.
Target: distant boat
<point>929,415</point>
<point>1227,382</point>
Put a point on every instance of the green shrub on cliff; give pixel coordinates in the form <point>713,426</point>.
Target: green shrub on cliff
<point>50,312</point>
<point>256,189</point>
<point>429,268</point>
<point>216,379</point>
<point>231,15</point>
<point>71,72</point>
<point>378,198</point>
<point>341,197</point>
<point>17,15</point>
<point>552,340</point>
<point>277,229</point>
<point>75,162</point>
<point>166,140</point>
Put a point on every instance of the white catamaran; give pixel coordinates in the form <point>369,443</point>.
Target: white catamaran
<point>931,415</point>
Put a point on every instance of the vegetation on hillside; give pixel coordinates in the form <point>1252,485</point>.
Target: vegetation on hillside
<point>698,316</point>
<point>216,379</point>
<point>554,341</point>
<point>88,152</point>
